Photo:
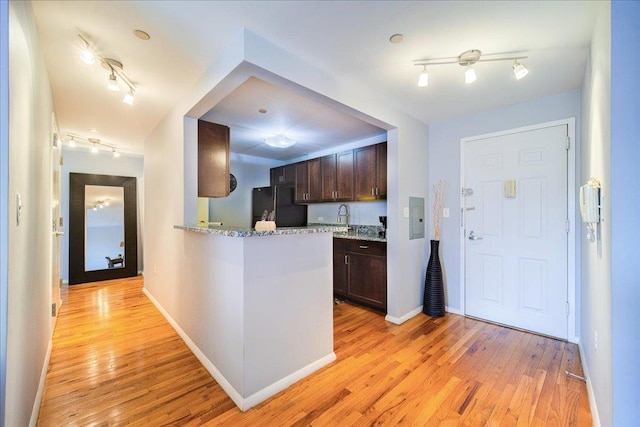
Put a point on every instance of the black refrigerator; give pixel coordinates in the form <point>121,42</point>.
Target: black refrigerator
<point>280,198</point>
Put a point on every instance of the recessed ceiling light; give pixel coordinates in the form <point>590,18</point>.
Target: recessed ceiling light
<point>396,38</point>
<point>262,111</point>
<point>142,35</point>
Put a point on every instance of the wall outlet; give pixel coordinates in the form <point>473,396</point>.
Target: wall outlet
<point>445,212</point>
<point>320,219</point>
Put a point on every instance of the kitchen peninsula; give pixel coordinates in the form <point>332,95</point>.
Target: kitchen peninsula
<point>265,313</point>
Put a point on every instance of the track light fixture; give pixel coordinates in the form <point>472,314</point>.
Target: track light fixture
<point>93,143</point>
<point>467,59</point>
<point>115,68</point>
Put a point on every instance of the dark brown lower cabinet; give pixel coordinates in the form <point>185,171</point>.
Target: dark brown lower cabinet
<point>360,272</point>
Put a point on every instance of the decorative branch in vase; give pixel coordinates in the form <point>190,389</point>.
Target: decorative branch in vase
<point>433,302</point>
<point>439,191</point>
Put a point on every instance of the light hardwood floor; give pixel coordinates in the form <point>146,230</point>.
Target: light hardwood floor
<point>116,361</point>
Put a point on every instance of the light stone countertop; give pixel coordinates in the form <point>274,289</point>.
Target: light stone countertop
<point>250,232</point>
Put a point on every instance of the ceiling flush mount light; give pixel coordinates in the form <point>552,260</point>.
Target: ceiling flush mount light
<point>423,80</point>
<point>113,66</point>
<point>468,59</point>
<point>279,141</point>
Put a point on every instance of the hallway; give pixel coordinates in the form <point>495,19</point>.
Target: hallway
<point>116,361</point>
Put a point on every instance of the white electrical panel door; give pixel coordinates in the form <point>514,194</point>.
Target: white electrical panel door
<point>515,230</point>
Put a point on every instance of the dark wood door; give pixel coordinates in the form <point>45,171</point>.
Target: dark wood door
<point>213,160</point>
<point>381,170</point>
<point>365,173</point>
<point>339,269</point>
<point>329,184</point>
<point>367,282</point>
<point>302,182</point>
<point>315,180</point>
<point>344,176</point>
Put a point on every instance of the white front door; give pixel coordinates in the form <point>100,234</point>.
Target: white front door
<point>515,227</point>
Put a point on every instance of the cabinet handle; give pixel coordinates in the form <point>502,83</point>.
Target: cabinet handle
<point>346,259</point>
<point>373,191</point>
<point>364,247</point>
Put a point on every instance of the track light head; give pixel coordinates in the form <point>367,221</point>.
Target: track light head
<point>519,70</point>
<point>470,76</point>
<point>87,56</point>
<point>423,80</point>
<point>115,153</point>
<point>94,149</point>
<point>113,83</point>
<point>72,142</point>
<point>128,98</point>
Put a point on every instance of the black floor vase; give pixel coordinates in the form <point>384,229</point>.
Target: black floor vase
<point>433,303</point>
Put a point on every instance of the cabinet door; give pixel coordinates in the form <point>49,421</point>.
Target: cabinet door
<point>289,174</point>
<point>328,168</point>
<point>367,281</point>
<point>277,174</point>
<point>302,182</point>
<point>365,173</point>
<point>381,170</point>
<point>315,181</point>
<point>344,176</point>
<point>339,272</point>
<point>213,160</point>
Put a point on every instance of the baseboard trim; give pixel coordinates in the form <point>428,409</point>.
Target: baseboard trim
<point>43,377</point>
<point>260,396</point>
<point>285,382</point>
<point>401,320</point>
<point>592,399</point>
<point>453,311</point>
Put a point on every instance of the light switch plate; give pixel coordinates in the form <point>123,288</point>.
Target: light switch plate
<point>406,212</point>
<point>445,212</point>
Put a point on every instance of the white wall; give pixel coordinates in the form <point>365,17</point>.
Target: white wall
<point>4,195</point>
<point>170,154</point>
<point>595,161</point>
<point>235,210</point>
<point>444,163</point>
<point>83,161</point>
<point>625,210</point>
<point>30,243</point>
<point>102,242</point>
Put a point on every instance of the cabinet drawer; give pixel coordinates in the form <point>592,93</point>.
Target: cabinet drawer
<point>365,247</point>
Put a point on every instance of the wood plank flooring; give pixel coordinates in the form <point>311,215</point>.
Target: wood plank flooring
<point>116,361</point>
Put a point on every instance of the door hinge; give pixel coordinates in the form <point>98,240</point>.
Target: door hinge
<point>567,225</point>
<point>53,310</point>
<point>567,308</point>
<point>567,143</point>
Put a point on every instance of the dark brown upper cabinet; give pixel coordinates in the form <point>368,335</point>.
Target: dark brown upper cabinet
<point>308,181</point>
<point>283,175</point>
<point>370,164</point>
<point>337,177</point>
<point>213,160</point>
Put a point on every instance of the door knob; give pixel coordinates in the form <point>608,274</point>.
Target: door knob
<point>473,236</point>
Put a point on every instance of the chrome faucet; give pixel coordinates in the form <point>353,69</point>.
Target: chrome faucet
<point>344,215</point>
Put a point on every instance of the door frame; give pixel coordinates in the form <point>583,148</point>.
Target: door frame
<point>571,214</point>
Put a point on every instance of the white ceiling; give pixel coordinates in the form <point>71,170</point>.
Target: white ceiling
<point>349,39</point>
